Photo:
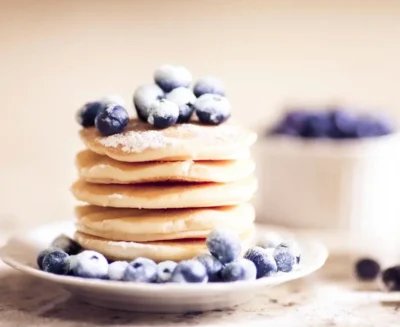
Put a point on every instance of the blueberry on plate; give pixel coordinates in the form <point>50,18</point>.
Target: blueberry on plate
<point>66,244</point>
<point>208,85</point>
<point>242,269</point>
<point>42,254</point>
<point>116,270</point>
<point>163,113</point>
<point>91,264</point>
<point>189,271</point>
<point>367,269</point>
<point>184,99</point>
<point>286,256</point>
<point>141,270</point>
<point>213,266</point>
<point>56,262</point>
<point>112,120</point>
<point>113,99</point>
<point>170,77</point>
<point>86,115</point>
<point>212,109</point>
<point>390,279</point>
<point>165,270</point>
<point>263,260</point>
<point>143,98</point>
<point>224,245</point>
<point>73,261</point>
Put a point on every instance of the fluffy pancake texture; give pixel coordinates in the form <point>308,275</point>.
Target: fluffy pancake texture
<point>165,195</point>
<point>141,225</point>
<point>191,141</point>
<point>175,250</point>
<point>104,170</point>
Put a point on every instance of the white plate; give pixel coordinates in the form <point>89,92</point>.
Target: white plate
<point>21,252</point>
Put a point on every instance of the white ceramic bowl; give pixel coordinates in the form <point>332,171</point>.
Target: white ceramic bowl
<point>348,185</point>
<point>21,252</point>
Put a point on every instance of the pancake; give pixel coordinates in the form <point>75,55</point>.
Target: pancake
<point>176,250</point>
<point>165,195</point>
<point>96,168</point>
<point>141,225</point>
<point>190,141</point>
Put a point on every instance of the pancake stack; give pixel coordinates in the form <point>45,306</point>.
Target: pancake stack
<point>158,193</point>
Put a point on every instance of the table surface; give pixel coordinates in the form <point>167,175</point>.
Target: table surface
<point>329,297</point>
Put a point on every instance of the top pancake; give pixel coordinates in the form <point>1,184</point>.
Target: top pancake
<point>142,142</point>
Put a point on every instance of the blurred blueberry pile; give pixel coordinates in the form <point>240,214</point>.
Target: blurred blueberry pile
<point>223,263</point>
<point>331,123</point>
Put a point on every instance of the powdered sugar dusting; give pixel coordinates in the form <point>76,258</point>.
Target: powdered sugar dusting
<point>115,196</point>
<point>134,141</point>
<point>137,141</point>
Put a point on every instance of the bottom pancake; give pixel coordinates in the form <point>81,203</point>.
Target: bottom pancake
<point>176,250</point>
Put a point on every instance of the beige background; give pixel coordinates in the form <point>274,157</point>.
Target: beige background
<point>55,55</point>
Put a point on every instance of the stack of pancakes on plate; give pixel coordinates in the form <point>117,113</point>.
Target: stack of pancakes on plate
<point>158,193</point>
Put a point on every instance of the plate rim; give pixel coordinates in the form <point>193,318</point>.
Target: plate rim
<point>65,280</point>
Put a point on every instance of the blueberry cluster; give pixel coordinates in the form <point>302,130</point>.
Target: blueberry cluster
<point>170,101</point>
<point>222,264</point>
<point>332,123</point>
<point>368,269</point>
<point>268,261</point>
<point>108,115</point>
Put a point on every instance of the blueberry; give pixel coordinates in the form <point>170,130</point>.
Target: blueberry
<point>213,267</point>
<point>269,240</point>
<point>86,115</point>
<point>369,126</point>
<point>144,96</point>
<point>391,279</point>
<point>189,271</point>
<point>163,113</point>
<point>242,269</point>
<point>224,245</point>
<point>292,124</point>
<point>170,77</point>
<point>56,262</point>
<point>263,260</point>
<point>141,270</point>
<point>297,120</point>
<point>66,244</point>
<point>184,99</point>
<point>283,129</point>
<point>165,270</point>
<point>42,254</point>
<point>317,125</point>
<point>210,85</point>
<point>91,264</point>
<point>117,269</point>
<point>113,99</point>
<point>112,120</point>
<point>367,269</point>
<point>73,261</point>
<point>286,256</point>
<point>343,123</point>
<point>212,109</point>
